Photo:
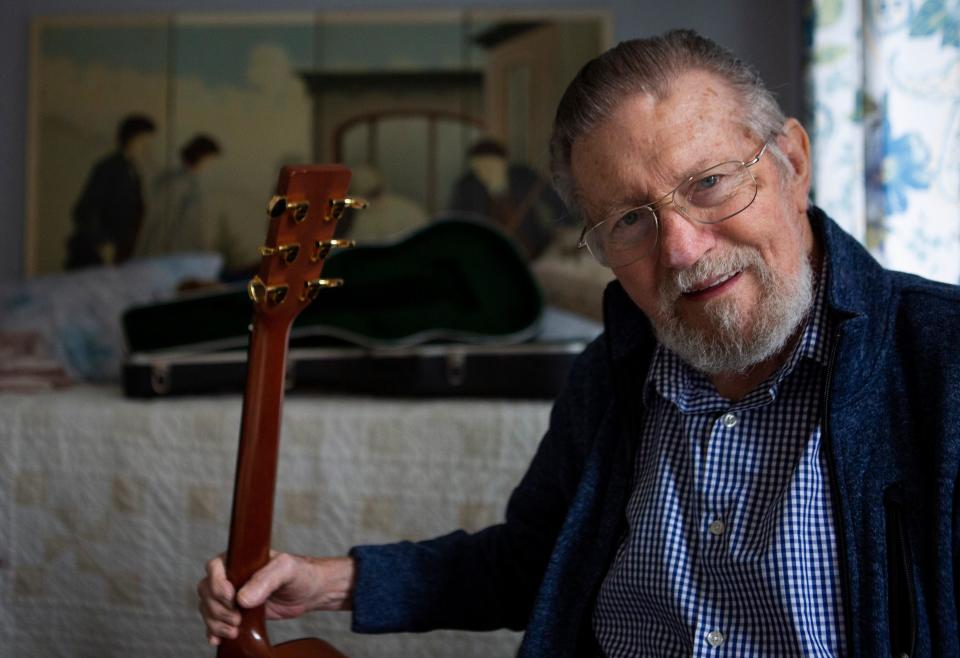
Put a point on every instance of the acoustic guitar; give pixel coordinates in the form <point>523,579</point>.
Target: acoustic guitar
<point>303,214</point>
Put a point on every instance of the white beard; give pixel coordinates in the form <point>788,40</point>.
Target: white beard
<point>732,340</point>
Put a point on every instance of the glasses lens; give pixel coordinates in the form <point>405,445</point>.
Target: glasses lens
<point>717,193</point>
<point>709,197</point>
<point>622,240</point>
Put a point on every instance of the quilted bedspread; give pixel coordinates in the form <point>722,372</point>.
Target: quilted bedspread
<point>109,508</point>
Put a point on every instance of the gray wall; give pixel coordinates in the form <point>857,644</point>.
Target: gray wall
<point>765,33</point>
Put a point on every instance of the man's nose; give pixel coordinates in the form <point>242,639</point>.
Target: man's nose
<point>682,241</point>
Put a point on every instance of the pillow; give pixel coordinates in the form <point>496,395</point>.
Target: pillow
<point>78,312</point>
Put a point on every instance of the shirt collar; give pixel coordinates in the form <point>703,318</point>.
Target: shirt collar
<point>673,379</point>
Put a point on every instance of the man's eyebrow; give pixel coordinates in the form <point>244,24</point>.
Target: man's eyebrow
<point>610,207</point>
<point>699,166</point>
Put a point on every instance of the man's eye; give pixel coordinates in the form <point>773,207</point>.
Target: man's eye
<point>630,218</point>
<point>706,182</point>
<point>631,226</point>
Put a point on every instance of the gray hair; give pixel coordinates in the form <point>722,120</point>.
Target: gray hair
<point>649,66</point>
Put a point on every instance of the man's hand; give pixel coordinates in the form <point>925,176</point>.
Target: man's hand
<point>290,585</point>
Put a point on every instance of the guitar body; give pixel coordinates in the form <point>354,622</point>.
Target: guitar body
<point>254,645</point>
<point>307,648</point>
<point>309,201</point>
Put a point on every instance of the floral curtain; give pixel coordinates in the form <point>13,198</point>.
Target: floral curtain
<point>884,80</point>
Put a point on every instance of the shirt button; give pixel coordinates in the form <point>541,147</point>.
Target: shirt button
<point>715,638</point>
<point>717,527</point>
<point>729,420</point>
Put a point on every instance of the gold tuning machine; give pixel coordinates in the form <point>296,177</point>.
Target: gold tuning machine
<point>279,204</point>
<point>260,292</point>
<point>312,288</point>
<point>288,252</point>
<point>337,206</point>
<point>323,248</point>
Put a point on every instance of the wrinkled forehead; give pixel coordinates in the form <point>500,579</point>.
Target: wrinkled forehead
<point>648,145</point>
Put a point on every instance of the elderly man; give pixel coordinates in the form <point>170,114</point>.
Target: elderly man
<point>760,454</point>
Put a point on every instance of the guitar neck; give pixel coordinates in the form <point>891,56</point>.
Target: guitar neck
<point>308,203</point>
<point>252,517</point>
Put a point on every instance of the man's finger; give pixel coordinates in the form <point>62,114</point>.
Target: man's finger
<point>219,587</point>
<point>223,597</point>
<point>213,611</point>
<point>221,630</point>
<point>215,566</point>
<point>265,582</point>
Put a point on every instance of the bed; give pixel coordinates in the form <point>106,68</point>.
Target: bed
<point>109,508</point>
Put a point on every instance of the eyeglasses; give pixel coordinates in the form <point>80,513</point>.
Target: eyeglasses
<point>709,197</point>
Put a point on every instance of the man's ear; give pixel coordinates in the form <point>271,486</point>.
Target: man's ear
<point>795,144</point>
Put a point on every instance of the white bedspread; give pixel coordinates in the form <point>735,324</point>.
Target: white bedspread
<point>109,508</point>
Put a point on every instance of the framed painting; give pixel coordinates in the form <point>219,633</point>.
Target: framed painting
<point>406,99</point>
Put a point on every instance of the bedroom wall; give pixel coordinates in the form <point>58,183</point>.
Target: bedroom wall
<point>768,34</point>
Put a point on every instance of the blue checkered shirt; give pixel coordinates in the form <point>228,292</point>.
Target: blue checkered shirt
<point>730,548</point>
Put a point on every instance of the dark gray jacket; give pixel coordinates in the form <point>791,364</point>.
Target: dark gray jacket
<point>891,430</point>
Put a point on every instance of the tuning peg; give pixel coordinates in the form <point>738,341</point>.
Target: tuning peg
<point>260,292</point>
<point>279,204</point>
<point>288,252</point>
<point>337,206</point>
<point>323,248</point>
<point>312,288</point>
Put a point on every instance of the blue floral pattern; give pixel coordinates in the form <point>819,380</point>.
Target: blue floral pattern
<point>938,16</point>
<point>884,79</point>
<point>902,164</point>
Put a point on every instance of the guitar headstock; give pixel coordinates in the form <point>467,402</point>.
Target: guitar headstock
<point>310,199</point>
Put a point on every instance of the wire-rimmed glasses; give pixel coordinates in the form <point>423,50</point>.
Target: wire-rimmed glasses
<point>708,197</point>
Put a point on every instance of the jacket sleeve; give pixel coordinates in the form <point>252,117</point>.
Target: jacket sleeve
<point>488,579</point>
<point>88,211</point>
